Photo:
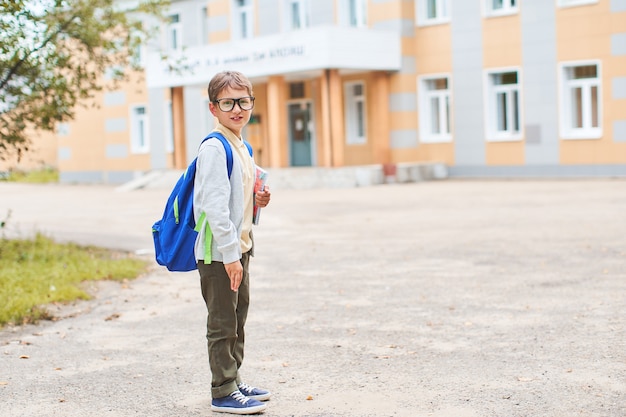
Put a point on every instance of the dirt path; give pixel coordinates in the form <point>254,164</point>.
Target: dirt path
<point>445,299</point>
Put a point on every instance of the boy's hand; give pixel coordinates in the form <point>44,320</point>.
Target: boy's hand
<point>235,273</point>
<point>263,197</point>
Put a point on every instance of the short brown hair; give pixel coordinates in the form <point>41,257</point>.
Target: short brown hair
<point>225,79</point>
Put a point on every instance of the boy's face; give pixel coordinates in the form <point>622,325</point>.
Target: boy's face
<point>236,118</point>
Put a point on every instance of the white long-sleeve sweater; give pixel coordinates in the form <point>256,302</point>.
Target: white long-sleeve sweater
<point>224,202</point>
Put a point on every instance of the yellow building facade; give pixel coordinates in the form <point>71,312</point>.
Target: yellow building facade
<point>490,88</point>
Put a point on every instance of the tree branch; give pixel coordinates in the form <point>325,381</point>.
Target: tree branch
<point>46,41</point>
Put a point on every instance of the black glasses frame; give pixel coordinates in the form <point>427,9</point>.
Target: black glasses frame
<point>235,101</point>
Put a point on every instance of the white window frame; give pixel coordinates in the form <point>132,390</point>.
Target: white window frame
<point>509,7</point>
<point>139,53</point>
<point>566,83</point>
<point>243,19</point>
<point>138,57</point>
<point>351,109</point>
<point>442,12</point>
<point>574,3</point>
<point>492,111</point>
<point>169,126</point>
<point>303,14</point>
<point>139,129</point>
<point>62,129</point>
<point>203,24</point>
<point>174,31</point>
<point>444,107</point>
<point>354,13</point>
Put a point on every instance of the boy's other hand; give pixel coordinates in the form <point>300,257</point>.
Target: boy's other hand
<point>235,273</point>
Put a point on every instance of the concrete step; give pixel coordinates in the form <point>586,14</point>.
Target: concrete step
<point>316,177</point>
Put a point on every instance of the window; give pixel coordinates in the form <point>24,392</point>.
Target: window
<point>139,130</point>
<point>138,51</point>
<point>138,56</point>
<point>571,3</point>
<point>434,109</point>
<point>296,90</point>
<point>243,23</point>
<point>174,33</point>
<point>204,25</point>
<point>297,14</point>
<point>580,101</point>
<point>63,129</point>
<point>500,7</point>
<point>354,12</point>
<point>355,113</point>
<point>503,106</point>
<point>431,12</point>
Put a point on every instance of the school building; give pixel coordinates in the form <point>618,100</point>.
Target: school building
<point>495,88</point>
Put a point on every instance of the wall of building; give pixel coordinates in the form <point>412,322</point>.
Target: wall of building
<point>432,47</point>
<point>540,94</point>
<point>95,147</point>
<point>594,33</point>
<point>535,41</point>
<point>41,154</point>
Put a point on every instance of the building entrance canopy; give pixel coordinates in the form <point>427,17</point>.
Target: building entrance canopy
<point>298,51</point>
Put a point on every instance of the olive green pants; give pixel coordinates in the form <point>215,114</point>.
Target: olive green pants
<point>227,313</point>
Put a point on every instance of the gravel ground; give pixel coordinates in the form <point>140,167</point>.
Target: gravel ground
<point>445,299</point>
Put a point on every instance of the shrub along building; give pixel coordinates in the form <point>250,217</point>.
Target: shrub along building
<point>490,88</point>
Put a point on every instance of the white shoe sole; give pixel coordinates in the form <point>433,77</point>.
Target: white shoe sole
<point>263,397</point>
<point>244,410</point>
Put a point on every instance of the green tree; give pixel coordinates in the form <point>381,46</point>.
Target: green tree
<point>54,55</point>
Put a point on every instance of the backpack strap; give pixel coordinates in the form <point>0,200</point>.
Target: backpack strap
<point>248,146</point>
<point>227,148</point>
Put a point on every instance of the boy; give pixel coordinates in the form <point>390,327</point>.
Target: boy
<point>227,204</point>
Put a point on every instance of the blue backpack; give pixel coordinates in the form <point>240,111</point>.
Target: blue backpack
<point>175,233</point>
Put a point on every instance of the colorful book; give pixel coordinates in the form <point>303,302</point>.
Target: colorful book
<point>259,185</point>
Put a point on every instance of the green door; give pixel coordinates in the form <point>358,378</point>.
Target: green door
<point>300,134</point>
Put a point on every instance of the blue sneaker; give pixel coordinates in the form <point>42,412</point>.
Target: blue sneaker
<point>237,403</point>
<point>254,393</point>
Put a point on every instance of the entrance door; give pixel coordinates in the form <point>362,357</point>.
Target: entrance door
<point>299,133</point>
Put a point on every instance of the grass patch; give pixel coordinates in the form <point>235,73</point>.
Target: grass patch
<point>40,176</point>
<point>39,271</point>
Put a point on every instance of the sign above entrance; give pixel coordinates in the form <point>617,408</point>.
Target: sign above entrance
<point>257,57</point>
<point>298,51</point>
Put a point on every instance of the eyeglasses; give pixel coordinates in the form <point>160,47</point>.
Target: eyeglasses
<point>227,104</point>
